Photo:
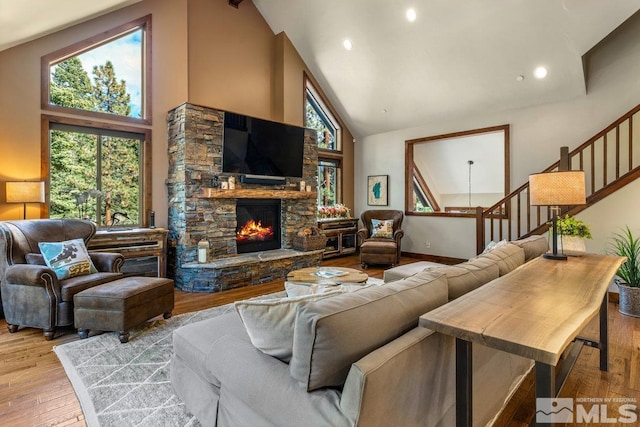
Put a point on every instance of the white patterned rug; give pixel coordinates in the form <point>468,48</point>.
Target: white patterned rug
<point>128,384</point>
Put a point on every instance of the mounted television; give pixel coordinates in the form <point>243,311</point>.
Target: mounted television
<point>261,148</point>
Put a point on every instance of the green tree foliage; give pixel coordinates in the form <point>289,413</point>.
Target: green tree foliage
<point>111,96</point>
<point>92,175</point>
<point>71,86</point>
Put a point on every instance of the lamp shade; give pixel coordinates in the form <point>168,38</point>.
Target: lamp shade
<point>25,192</point>
<point>563,188</point>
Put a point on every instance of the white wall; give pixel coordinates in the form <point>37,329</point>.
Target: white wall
<point>537,133</point>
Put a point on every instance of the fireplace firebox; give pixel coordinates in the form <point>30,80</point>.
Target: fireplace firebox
<point>258,225</point>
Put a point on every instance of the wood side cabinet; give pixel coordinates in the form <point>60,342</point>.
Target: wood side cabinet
<point>341,236</point>
<point>144,249</point>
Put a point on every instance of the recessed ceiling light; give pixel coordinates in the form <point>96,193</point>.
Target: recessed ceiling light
<point>384,110</point>
<point>347,44</point>
<point>411,14</point>
<point>540,72</point>
<point>520,78</point>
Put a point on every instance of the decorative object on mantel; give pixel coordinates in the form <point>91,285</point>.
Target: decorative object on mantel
<point>572,234</point>
<point>334,211</point>
<point>302,185</point>
<point>628,275</point>
<point>555,189</point>
<point>309,239</point>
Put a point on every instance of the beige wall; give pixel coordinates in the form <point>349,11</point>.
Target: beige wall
<point>204,52</point>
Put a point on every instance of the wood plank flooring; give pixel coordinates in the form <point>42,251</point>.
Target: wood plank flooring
<point>35,391</point>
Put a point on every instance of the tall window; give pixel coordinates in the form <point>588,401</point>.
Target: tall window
<point>98,170</point>
<point>320,118</point>
<point>95,174</point>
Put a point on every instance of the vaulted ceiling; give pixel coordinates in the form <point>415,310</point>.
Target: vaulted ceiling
<point>458,57</point>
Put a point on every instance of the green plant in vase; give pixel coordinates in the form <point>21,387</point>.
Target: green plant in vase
<point>628,280</point>
<point>572,233</point>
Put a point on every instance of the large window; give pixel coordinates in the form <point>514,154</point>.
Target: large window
<point>96,174</point>
<point>97,167</point>
<point>320,118</point>
<point>105,76</point>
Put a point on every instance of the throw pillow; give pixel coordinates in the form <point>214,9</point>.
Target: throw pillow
<point>67,259</point>
<point>382,229</point>
<point>269,323</point>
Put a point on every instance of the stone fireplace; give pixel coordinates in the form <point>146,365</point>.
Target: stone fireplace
<point>199,209</point>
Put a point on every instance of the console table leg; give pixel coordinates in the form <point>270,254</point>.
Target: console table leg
<point>464,390</point>
<point>604,333</point>
<point>545,384</point>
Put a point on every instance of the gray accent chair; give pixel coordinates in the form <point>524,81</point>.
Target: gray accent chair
<point>32,295</point>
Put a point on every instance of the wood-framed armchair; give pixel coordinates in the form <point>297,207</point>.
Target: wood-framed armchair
<point>378,243</point>
<point>32,295</point>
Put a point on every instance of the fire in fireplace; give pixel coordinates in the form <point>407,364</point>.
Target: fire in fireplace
<point>258,225</point>
<point>253,230</point>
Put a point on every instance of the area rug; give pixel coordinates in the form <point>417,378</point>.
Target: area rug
<point>128,384</point>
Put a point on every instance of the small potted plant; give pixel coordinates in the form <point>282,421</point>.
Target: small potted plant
<point>572,233</point>
<point>628,275</point>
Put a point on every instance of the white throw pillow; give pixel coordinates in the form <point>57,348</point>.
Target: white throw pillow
<point>269,323</point>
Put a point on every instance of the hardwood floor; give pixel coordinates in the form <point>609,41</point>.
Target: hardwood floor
<point>35,391</point>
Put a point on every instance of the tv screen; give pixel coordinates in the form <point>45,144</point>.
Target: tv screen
<point>260,147</point>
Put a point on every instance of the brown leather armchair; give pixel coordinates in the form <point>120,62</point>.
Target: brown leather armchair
<point>31,293</point>
<point>377,250</point>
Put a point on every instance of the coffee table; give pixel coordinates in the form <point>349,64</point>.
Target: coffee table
<point>327,276</point>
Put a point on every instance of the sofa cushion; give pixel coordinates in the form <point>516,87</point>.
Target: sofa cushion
<point>269,322</point>
<point>402,271</point>
<point>465,277</point>
<point>67,259</point>
<point>192,342</point>
<point>533,246</point>
<point>332,333</point>
<point>508,257</point>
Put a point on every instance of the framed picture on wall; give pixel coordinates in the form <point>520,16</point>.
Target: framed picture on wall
<point>378,190</point>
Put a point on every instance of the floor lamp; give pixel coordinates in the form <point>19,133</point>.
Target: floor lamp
<point>555,189</point>
<point>25,192</point>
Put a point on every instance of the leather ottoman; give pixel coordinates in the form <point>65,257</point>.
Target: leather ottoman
<point>378,251</point>
<point>122,304</point>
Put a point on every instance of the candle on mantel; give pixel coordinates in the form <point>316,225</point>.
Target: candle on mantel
<point>203,251</point>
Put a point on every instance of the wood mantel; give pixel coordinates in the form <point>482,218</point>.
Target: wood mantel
<point>247,193</point>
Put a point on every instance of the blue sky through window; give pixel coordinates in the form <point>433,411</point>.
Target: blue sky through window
<point>125,53</point>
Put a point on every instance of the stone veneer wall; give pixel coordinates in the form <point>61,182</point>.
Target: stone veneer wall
<point>195,163</point>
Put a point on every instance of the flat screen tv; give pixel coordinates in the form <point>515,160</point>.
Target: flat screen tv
<point>262,148</point>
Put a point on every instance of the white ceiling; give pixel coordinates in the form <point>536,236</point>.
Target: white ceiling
<point>457,58</point>
<point>24,20</point>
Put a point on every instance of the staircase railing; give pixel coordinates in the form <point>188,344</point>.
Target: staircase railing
<point>610,160</point>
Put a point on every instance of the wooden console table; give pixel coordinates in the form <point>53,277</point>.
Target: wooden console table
<point>536,311</point>
<point>144,249</point>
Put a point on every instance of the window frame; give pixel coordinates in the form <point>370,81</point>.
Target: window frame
<point>145,157</point>
<point>325,154</point>
<point>85,45</point>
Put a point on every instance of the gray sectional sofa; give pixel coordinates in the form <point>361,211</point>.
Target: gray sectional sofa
<point>346,359</point>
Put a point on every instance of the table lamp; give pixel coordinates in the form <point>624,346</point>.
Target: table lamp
<point>555,189</point>
<point>25,192</point>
